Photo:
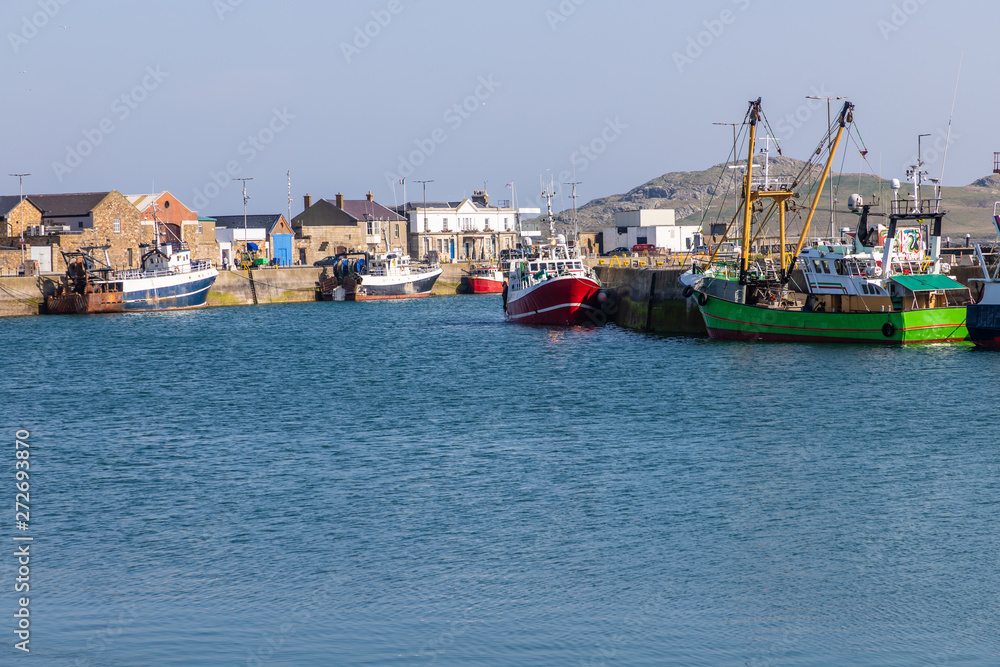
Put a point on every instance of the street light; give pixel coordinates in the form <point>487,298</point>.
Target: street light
<point>829,122</point>
<point>424,183</point>
<point>20,179</point>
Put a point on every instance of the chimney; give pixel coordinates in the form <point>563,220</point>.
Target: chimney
<point>371,197</point>
<point>308,202</point>
<point>340,200</point>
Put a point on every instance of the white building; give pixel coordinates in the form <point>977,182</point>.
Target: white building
<point>650,226</point>
<point>464,230</point>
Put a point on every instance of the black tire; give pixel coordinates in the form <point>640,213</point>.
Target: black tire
<point>702,298</point>
<point>688,291</point>
<point>888,329</point>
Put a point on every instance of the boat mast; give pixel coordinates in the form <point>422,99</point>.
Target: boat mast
<point>754,114</point>
<point>846,116</point>
<point>576,223</point>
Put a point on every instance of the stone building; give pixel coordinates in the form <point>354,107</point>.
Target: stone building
<point>346,225</point>
<point>178,223</point>
<point>13,217</point>
<point>94,222</point>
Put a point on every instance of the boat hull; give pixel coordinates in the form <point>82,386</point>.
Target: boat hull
<point>485,286</point>
<point>726,320</point>
<point>983,322</point>
<point>84,304</point>
<point>564,300</point>
<point>175,292</point>
<point>373,288</point>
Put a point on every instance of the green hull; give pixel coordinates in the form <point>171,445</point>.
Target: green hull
<point>734,321</point>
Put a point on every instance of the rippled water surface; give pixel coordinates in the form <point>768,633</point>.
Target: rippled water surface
<point>419,483</point>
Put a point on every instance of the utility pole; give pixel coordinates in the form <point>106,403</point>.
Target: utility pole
<point>245,200</point>
<point>289,173</point>
<point>829,122</point>
<point>20,179</point>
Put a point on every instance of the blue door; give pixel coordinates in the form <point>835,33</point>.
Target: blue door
<point>282,244</point>
<point>452,244</point>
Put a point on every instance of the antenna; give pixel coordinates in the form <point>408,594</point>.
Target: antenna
<point>947,143</point>
<point>289,173</point>
<point>548,195</point>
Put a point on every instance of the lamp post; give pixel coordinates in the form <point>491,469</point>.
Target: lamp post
<point>829,122</point>
<point>20,179</point>
<point>424,183</point>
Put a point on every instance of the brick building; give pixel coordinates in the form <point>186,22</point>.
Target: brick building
<point>358,225</point>
<point>177,223</point>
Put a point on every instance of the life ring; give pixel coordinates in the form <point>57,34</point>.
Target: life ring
<point>702,298</point>
<point>888,329</point>
<point>688,291</point>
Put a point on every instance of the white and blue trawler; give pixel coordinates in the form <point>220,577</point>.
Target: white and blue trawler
<point>167,280</point>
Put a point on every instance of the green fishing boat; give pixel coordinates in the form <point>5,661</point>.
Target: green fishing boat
<point>885,284</point>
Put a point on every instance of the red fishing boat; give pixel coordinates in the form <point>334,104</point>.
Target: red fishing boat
<point>552,287</point>
<point>485,280</point>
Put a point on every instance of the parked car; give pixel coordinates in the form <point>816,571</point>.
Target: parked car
<point>326,261</point>
<point>644,247</point>
<point>621,251</point>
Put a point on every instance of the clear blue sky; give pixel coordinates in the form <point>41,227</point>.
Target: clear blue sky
<point>124,94</point>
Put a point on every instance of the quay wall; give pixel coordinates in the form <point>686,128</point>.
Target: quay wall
<point>652,300</point>
<point>21,297</point>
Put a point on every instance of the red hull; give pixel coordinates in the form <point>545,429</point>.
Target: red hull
<point>485,286</point>
<point>568,300</point>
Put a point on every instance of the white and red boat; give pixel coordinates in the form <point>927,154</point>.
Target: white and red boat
<point>485,280</point>
<point>554,287</point>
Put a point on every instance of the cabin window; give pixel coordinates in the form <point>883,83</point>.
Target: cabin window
<point>118,226</point>
<point>534,268</point>
<point>826,267</point>
<point>817,266</point>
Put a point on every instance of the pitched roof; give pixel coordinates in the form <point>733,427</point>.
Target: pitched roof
<point>362,209</point>
<point>8,204</point>
<point>266,222</point>
<point>142,202</point>
<point>68,204</point>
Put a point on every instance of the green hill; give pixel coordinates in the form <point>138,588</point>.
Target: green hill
<point>689,193</point>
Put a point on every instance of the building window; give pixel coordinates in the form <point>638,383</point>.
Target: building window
<point>374,228</point>
<point>397,230</point>
<point>201,228</point>
<point>445,222</point>
<point>506,224</point>
<point>118,226</point>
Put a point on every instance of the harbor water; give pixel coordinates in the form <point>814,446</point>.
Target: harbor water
<point>421,483</point>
